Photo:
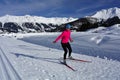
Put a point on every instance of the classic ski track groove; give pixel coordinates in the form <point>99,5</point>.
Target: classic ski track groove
<point>8,71</point>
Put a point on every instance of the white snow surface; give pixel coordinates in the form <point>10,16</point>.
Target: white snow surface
<point>114,30</point>
<point>39,19</point>
<point>107,13</point>
<point>33,56</point>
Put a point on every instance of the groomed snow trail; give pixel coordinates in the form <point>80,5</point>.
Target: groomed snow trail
<point>37,62</point>
<point>7,71</point>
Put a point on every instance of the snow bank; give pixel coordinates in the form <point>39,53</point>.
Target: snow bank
<point>115,29</point>
<point>100,39</point>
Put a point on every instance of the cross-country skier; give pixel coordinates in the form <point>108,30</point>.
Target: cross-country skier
<point>65,38</point>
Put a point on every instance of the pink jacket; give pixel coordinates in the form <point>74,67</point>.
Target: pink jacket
<point>65,37</point>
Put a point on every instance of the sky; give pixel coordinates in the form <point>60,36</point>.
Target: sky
<point>55,8</point>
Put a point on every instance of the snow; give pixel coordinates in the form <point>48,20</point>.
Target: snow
<point>107,13</point>
<point>115,30</point>
<point>33,19</point>
<point>33,56</point>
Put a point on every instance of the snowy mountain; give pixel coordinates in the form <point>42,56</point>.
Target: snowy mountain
<point>33,19</point>
<point>26,24</point>
<point>104,18</point>
<point>36,24</point>
<point>107,13</point>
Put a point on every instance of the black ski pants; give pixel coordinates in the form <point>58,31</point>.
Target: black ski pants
<point>67,48</point>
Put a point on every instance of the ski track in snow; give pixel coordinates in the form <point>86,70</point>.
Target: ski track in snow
<point>40,62</point>
<point>8,71</point>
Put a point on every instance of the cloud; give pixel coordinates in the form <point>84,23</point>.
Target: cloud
<point>90,6</point>
<point>93,7</point>
<point>28,6</point>
<point>52,7</point>
<point>6,1</point>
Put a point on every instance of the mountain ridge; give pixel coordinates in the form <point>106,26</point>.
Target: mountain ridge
<point>107,13</point>
<point>103,14</point>
<point>40,19</point>
<point>28,24</point>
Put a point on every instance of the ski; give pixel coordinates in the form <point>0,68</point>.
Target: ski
<point>68,66</point>
<point>80,60</point>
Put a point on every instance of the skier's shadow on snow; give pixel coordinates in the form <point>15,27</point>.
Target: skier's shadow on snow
<point>53,60</point>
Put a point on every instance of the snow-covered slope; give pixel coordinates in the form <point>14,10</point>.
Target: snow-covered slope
<point>107,13</point>
<point>39,19</point>
<point>115,29</point>
<point>35,57</point>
